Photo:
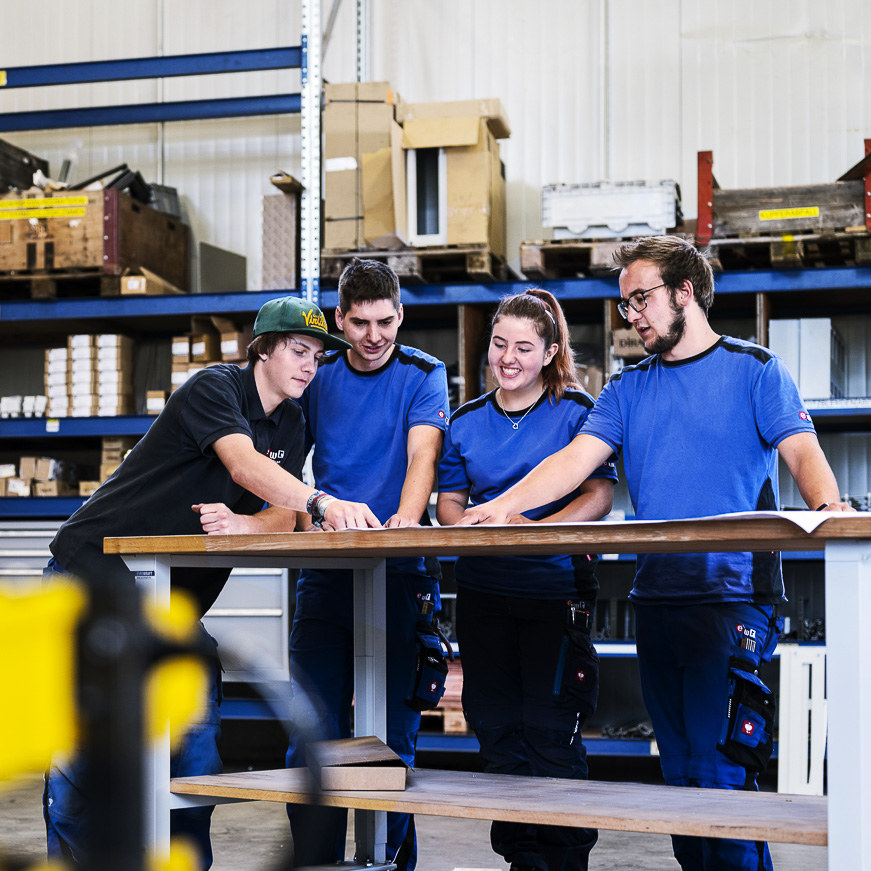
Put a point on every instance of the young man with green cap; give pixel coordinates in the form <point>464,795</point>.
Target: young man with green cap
<point>227,436</point>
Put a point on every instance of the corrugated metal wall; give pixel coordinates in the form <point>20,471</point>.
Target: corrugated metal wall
<point>620,89</point>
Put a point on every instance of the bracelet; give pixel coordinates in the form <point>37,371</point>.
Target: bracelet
<point>319,505</point>
<point>823,506</point>
<point>311,499</point>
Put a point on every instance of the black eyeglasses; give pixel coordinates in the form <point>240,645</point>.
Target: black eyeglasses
<point>640,301</point>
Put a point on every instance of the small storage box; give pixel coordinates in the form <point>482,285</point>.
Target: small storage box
<point>608,210</point>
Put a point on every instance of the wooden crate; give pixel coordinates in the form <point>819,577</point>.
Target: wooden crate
<point>104,232</point>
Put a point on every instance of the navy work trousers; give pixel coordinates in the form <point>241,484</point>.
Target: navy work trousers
<point>684,653</point>
<point>322,675</point>
<point>530,680</point>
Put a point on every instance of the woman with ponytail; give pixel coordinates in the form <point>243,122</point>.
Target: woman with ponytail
<point>530,672</point>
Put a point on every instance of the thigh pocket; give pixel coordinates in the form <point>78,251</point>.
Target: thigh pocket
<point>577,672</point>
<point>747,735</point>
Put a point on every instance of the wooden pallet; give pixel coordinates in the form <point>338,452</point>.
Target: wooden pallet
<point>50,285</point>
<point>424,265</point>
<point>448,721</point>
<point>796,251</point>
<point>567,258</point>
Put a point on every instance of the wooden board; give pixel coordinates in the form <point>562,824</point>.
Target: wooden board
<point>627,807</point>
<point>725,534</point>
<point>364,763</point>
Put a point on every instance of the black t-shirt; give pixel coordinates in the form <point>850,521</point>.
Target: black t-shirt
<point>174,466</point>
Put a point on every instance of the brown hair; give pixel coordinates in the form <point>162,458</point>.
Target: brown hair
<point>367,281</point>
<point>678,260</point>
<point>547,316</point>
<point>266,343</point>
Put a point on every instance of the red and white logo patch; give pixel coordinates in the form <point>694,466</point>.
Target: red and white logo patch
<point>740,628</point>
<point>442,415</point>
<point>748,727</point>
<point>433,687</point>
<point>804,415</point>
<point>581,676</point>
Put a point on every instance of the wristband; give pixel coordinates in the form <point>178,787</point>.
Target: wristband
<point>311,499</point>
<point>823,506</point>
<point>319,505</point>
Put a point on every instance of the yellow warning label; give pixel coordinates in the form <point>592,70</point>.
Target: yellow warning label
<point>44,203</point>
<point>786,214</point>
<point>24,214</point>
<point>2,78</point>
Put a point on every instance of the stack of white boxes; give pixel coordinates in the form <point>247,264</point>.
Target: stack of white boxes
<point>114,375</point>
<point>100,375</point>
<point>56,382</point>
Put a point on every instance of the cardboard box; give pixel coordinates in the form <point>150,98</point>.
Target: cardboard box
<point>106,470</point>
<point>358,120</point>
<point>2,486</point>
<point>234,345</point>
<point>385,214</point>
<point>113,449</point>
<point>475,183</point>
<point>628,345</point>
<point>181,348</point>
<point>7,470</point>
<point>205,347</point>
<point>490,109</point>
<point>17,486</point>
<point>355,763</point>
<point>80,340</point>
<point>155,400</point>
<point>53,488</point>
<point>147,282</point>
<point>88,488</point>
<point>592,379</point>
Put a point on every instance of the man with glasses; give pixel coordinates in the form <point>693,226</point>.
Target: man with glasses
<point>700,424</point>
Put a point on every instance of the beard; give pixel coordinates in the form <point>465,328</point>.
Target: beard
<point>663,343</point>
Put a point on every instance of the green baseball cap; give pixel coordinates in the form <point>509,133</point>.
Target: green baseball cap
<point>292,315</point>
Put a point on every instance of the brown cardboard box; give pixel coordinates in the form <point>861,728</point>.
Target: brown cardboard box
<point>475,180</point>
<point>592,379</point>
<point>357,121</point>
<point>628,345</point>
<point>148,283</point>
<point>88,488</point>
<point>53,488</point>
<point>205,347</point>
<point>17,486</point>
<point>7,470</point>
<point>155,400</point>
<point>181,349</point>
<point>106,469</point>
<point>490,108</point>
<point>234,345</point>
<point>3,486</point>
<point>115,448</point>
<point>384,195</point>
<point>280,242</point>
<point>355,763</point>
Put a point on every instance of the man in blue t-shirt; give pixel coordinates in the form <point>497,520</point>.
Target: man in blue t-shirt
<point>699,424</point>
<point>376,415</point>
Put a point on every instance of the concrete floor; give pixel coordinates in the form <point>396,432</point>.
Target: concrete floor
<point>252,836</point>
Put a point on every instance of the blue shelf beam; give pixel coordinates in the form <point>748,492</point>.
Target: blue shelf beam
<point>147,113</point>
<point>152,67</point>
<point>46,507</point>
<point>73,427</point>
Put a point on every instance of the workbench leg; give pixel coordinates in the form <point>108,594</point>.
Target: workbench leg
<point>848,672</point>
<point>152,578</point>
<point>370,691</point>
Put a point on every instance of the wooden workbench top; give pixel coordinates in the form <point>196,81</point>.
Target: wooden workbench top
<point>762,531</point>
<point>628,807</point>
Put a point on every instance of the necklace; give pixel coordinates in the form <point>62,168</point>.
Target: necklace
<point>516,423</point>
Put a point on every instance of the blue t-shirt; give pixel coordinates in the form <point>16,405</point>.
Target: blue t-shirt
<point>359,422</point>
<point>484,454</point>
<point>699,437</point>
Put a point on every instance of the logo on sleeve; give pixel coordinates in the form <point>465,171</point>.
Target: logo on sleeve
<point>441,414</point>
<point>748,727</point>
<point>804,416</point>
